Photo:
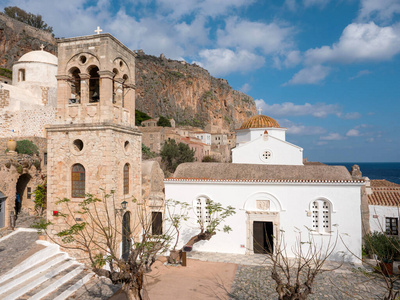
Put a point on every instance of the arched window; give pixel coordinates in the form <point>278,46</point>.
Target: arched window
<point>126,179</point>
<point>75,86</point>
<point>203,211</point>
<point>321,216</point>
<point>21,75</point>
<point>78,181</point>
<point>94,84</point>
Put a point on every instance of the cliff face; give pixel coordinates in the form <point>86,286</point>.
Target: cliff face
<point>189,94</point>
<point>185,92</point>
<point>17,38</point>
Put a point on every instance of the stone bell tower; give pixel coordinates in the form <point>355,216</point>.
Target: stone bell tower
<point>94,144</point>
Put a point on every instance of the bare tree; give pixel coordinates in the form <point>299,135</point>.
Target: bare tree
<point>93,230</point>
<point>295,277</point>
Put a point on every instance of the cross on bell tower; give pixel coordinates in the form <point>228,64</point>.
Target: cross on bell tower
<point>98,30</point>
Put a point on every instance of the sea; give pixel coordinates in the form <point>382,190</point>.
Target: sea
<point>387,170</point>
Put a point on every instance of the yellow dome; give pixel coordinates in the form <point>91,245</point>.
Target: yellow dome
<point>259,121</point>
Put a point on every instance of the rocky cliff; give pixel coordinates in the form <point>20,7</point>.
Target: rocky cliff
<point>185,92</point>
<point>188,93</point>
<point>17,38</point>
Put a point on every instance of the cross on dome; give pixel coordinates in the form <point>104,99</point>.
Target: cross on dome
<point>98,30</point>
<point>41,47</point>
<point>259,110</point>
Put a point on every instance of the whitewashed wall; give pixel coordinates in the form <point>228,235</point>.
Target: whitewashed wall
<point>283,153</point>
<point>291,200</point>
<point>378,214</point>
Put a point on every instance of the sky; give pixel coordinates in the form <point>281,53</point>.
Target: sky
<point>327,70</point>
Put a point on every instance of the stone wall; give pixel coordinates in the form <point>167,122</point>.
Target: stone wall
<point>12,168</point>
<point>26,122</point>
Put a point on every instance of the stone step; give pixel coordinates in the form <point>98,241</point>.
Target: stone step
<point>20,288</point>
<point>27,274</point>
<point>69,288</point>
<point>36,259</point>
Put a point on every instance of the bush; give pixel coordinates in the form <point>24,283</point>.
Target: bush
<point>382,245</point>
<point>140,117</point>
<point>164,122</point>
<point>26,147</point>
<point>174,154</point>
<point>147,153</point>
<point>209,158</point>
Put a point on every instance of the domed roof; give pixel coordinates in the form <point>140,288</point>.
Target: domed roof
<point>259,121</point>
<point>39,56</point>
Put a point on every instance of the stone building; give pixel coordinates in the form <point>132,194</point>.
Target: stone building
<point>94,144</point>
<point>153,137</point>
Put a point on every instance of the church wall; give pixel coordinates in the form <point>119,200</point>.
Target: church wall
<point>282,153</point>
<point>295,201</point>
<point>378,215</point>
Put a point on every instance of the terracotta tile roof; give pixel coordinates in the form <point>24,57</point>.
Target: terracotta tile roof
<point>171,179</point>
<point>383,183</point>
<point>386,196</point>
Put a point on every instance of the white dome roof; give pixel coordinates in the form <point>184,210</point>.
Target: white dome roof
<point>39,56</point>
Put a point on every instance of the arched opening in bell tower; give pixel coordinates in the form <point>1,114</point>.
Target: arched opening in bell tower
<point>75,86</point>
<point>94,84</point>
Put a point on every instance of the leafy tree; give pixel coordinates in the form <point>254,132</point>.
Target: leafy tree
<point>164,122</point>
<point>173,154</point>
<point>147,153</point>
<point>92,227</point>
<point>41,198</point>
<point>140,117</point>
<point>209,158</point>
<point>27,147</point>
<point>28,18</point>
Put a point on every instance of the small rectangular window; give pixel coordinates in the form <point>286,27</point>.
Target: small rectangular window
<point>392,225</point>
<point>29,193</point>
<point>156,226</point>
<point>21,75</point>
<point>45,158</point>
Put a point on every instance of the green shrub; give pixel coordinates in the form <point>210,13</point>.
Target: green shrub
<point>26,147</point>
<point>164,122</point>
<point>382,245</point>
<point>209,158</point>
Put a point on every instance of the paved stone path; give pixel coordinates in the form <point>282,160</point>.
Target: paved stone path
<point>15,247</point>
<point>253,279</point>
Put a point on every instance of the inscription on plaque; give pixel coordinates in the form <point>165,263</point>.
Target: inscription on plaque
<point>262,204</point>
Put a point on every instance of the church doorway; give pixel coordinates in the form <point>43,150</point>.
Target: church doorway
<point>23,193</point>
<point>2,210</point>
<point>126,236</point>
<point>263,241</point>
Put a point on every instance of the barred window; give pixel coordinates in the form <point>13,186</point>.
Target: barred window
<point>321,216</point>
<point>203,212</point>
<point>78,181</point>
<point>392,226</point>
<point>126,179</point>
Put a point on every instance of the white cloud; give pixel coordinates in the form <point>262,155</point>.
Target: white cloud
<point>370,140</point>
<point>361,73</point>
<point>224,61</point>
<point>332,137</point>
<point>310,75</point>
<point>321,143</point>
<point>318,110</point>
<point>353,132</point>
<point>305,130</point>
<point>267,38</point>
<point>245,88</point>
<point>293,58</point>
<point>359,43</point>
<point>349,116</point>
<point>382,10</point>
<point>321,3</point>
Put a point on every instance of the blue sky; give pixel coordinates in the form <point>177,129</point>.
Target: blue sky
<point>328,70</point>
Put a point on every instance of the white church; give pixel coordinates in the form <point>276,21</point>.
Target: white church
<point>272,191</point>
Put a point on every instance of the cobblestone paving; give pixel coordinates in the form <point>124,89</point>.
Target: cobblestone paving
<point>253,279</point>
<point>13,248</point>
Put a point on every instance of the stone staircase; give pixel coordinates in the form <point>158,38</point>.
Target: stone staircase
<point>47,274</point>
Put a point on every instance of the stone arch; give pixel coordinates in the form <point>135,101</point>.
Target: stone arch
<point>94,83</point>
<point>23,196</point>
<point>121,65</point>
<point>76,61</point>
<point>74,73</point>
<point>263,201</point>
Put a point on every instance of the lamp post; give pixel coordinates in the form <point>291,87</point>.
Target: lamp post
<point>123,207</point>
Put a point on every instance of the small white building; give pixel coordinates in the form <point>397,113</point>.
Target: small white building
<point>29,103</point>
<point>269,198</point>
<point>205,137</point>
<point>384,206</point>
